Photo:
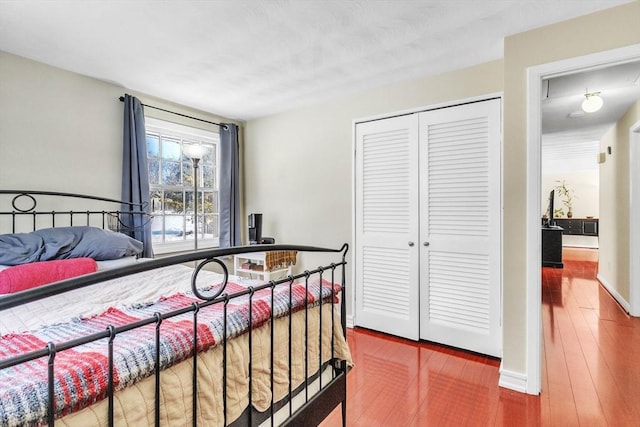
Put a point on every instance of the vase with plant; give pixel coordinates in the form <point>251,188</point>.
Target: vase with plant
<point>566,194</point>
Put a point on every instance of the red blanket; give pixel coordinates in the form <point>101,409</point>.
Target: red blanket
<point>27,276</point>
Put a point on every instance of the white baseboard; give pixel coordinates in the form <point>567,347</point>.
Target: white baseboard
<point>512,380</point>
<point>625,304</point>
<point>350,321</point>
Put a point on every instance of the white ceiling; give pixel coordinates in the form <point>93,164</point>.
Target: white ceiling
<point>243,59</point>
<point>571,137</point>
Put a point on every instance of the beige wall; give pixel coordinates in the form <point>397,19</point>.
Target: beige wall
<point>60,131</point>
<point>585,185</point>
<point>609,29</point>
<point>298,165</point>
<point>50,134</point>
<point>613,268</point>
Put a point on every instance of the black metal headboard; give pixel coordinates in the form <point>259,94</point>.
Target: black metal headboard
<point>19,211</point>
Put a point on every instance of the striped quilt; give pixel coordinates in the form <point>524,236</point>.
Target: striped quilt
<point>81,372</point>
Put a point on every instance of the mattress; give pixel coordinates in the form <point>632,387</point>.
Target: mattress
<point>144,287</point>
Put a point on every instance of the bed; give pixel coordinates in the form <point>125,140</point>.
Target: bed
<point>95,336</point>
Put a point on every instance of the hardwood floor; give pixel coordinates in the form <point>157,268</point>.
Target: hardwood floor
<point>590,372</point>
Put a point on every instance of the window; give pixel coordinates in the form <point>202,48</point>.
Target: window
<point>172,186</point>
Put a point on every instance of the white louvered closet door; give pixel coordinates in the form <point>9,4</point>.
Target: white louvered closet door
<point>460,208</point>
<point>386,205</point>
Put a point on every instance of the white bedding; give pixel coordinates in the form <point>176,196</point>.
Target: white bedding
<point>120,262</point>
<point>143,287</point>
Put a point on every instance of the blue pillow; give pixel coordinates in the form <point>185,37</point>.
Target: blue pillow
<point>66,242</point>
<point>20,248</point>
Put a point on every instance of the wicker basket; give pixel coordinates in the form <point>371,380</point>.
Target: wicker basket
<point>116,223</point>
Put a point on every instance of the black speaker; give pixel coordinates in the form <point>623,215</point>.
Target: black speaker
<point>255,228</point>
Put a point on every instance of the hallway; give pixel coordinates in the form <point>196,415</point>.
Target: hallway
<point>591,358</point>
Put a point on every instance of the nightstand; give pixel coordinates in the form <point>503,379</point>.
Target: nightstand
<point>256,263</point>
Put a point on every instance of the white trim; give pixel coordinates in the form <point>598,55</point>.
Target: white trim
<point>512,380</point>
<point>534,77</point>
<point>446,104</point>
<point>353,224</point>
<point>350,323</point>
<point>184,246</point>
<point>155,125</point>
<point>634,226</point>
<point>612,290</point>
<point>502,221</point>
<point>534,240</point>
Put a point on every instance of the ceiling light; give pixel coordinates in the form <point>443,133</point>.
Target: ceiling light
<point>592,102</point>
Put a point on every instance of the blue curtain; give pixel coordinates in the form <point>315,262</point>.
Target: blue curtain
<point>135,173</point>
<point>229,186</point>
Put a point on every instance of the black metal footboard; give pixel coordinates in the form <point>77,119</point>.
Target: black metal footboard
<point>303,305</point>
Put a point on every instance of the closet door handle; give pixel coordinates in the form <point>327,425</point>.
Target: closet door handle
<point>426,243</point>
<point>411,244</point>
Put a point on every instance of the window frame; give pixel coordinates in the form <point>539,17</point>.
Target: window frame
<point>186,134</point>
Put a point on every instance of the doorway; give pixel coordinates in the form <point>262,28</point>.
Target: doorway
<point>571,138</point>
<point>535,77</point>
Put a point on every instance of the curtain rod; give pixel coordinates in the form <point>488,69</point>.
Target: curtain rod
<point>180,114</point>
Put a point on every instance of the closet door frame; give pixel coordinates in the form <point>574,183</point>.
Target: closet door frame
<point>354,238</point>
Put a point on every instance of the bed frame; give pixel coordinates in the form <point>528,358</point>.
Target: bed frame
<point>25,215</point>
<point>315,408</point>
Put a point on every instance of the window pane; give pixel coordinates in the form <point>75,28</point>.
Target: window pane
<point>189,225</point>
<point>170,173</point>
<point>153,146</point>
<point>200,200</point>
<point>208,180</point>
<point>155,198</point>
<point>210,202</point>
<point>209,155</point>
<point>171,149</point>
<point>187,174</point>
<point>209,228</point>
<point>188,195</point>
<point>154,171</point>
<point>174,228</point>
<point>157,234</point>
<point>174,202</point>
